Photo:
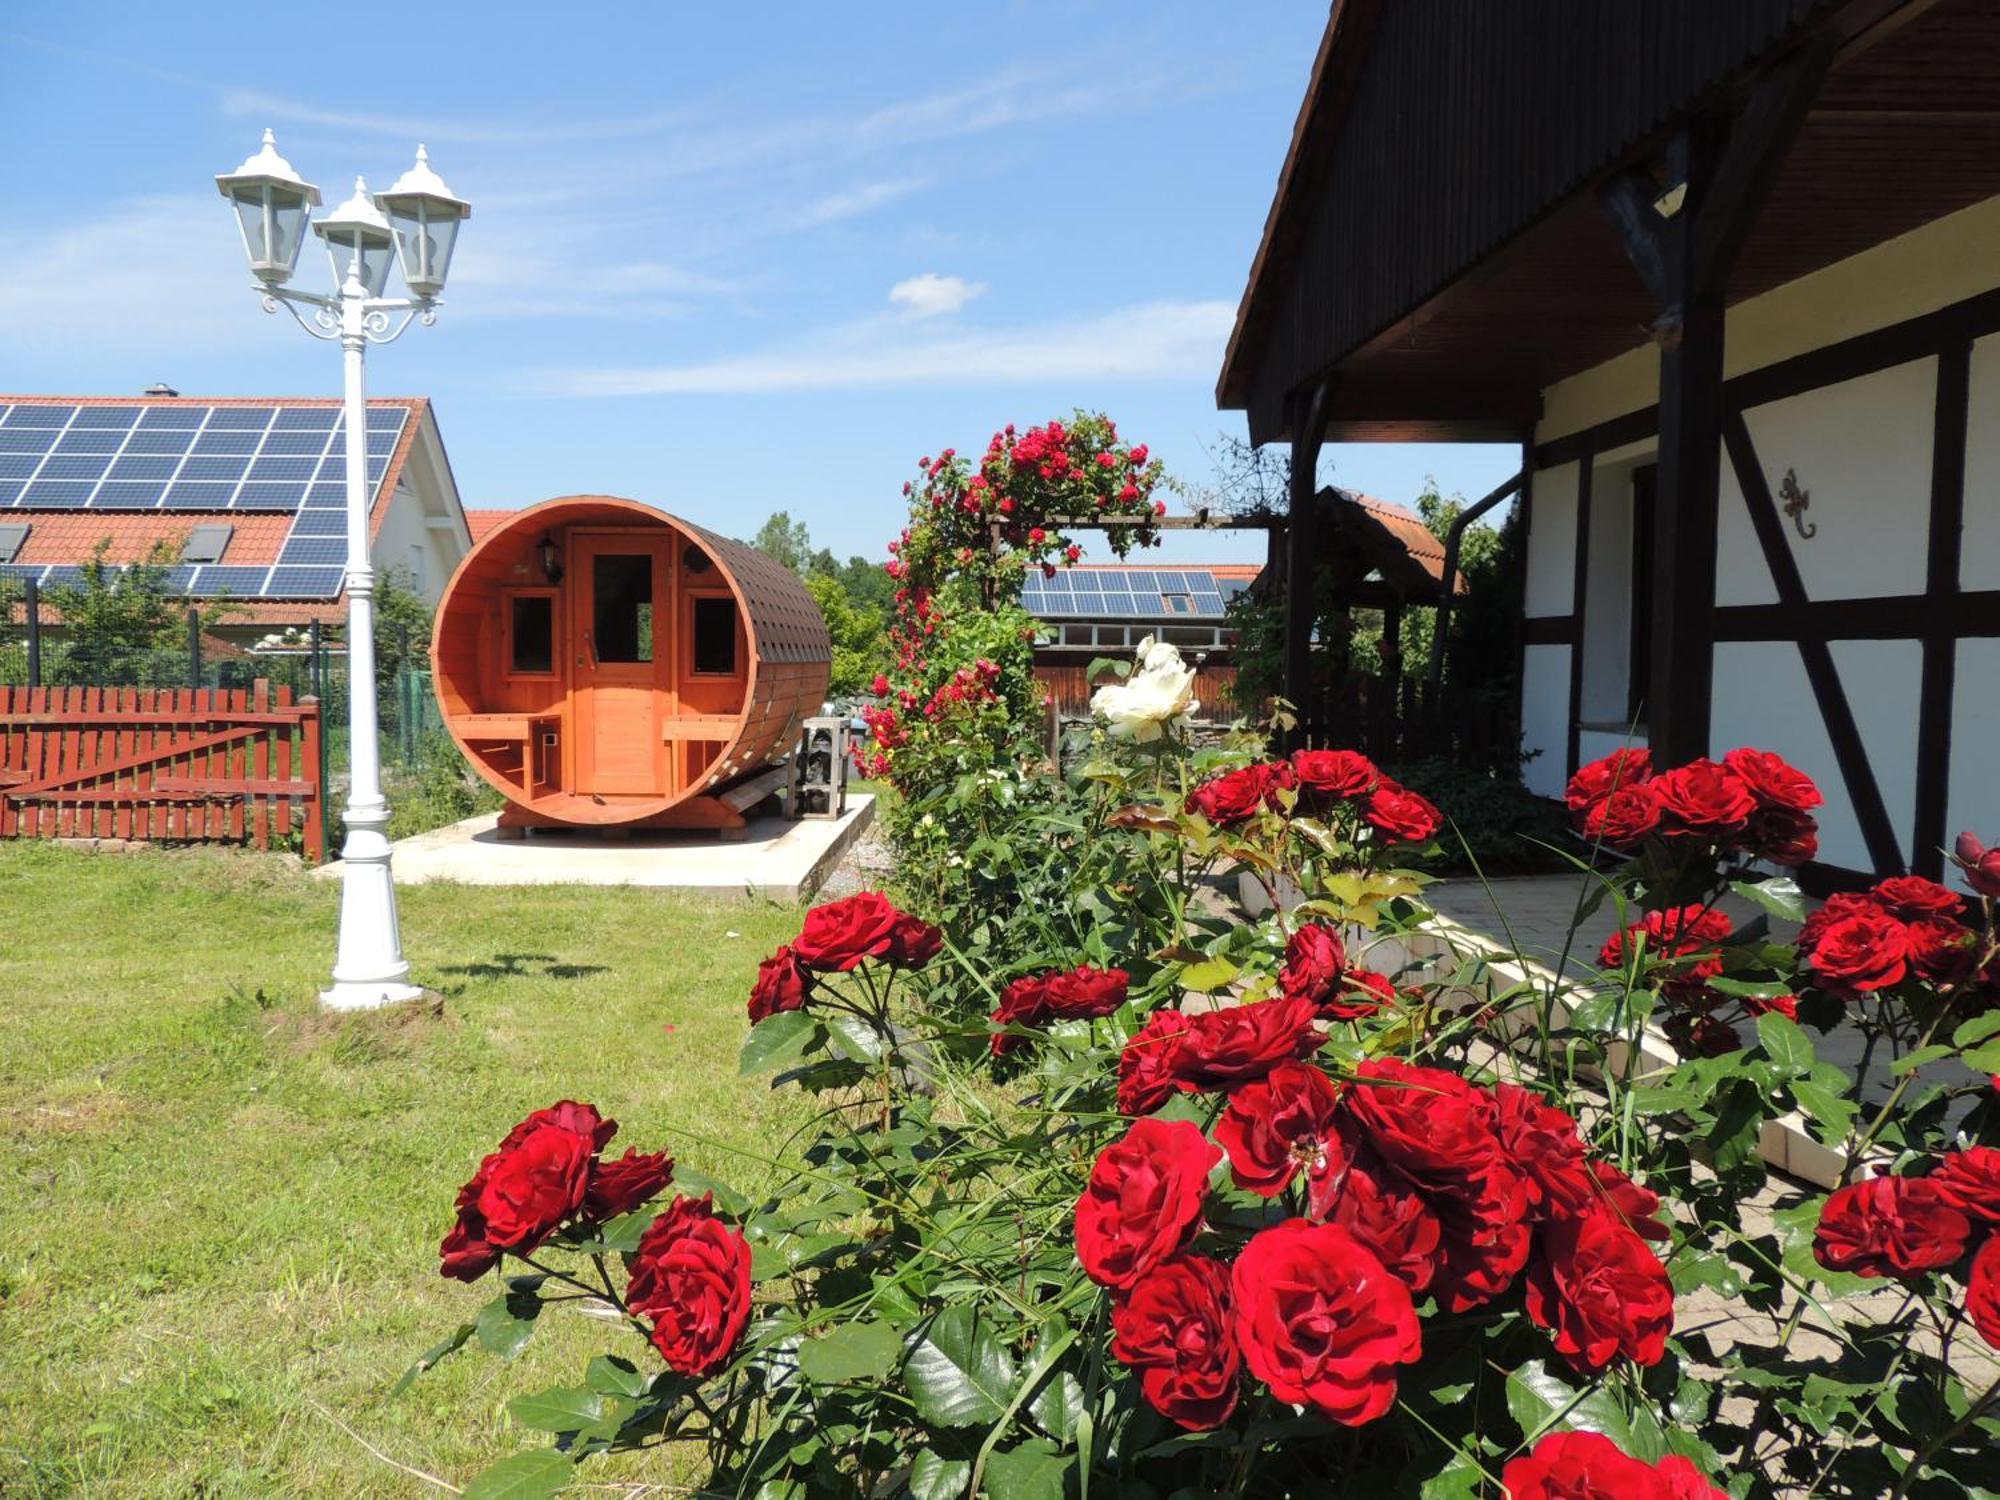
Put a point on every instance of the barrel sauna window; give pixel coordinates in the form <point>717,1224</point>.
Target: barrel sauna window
<point>531,633</point>
<point>601,663</point>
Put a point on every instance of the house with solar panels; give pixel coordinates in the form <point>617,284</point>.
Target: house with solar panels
<point>248,495</point>
<point>1105,609</point>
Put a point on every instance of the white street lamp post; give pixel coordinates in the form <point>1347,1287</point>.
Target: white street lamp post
<point>420,218</point>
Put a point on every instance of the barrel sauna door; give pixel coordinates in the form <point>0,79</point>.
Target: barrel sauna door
<point>620,594</point>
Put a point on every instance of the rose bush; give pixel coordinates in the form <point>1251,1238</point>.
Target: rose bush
<point>1113,1187</point>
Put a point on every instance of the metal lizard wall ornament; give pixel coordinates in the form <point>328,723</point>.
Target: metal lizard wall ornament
<point>1796,500</point>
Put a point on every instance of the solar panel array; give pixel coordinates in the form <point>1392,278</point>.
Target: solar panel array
<point>1128,594</point>
<point>196,456</point>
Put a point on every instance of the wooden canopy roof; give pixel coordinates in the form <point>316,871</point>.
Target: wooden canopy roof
<point>1436,241</point>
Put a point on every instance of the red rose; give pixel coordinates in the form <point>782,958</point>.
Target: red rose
<point>1146,1066</point>
<point>1025,1002</point>
<point>913,942</point>
<point>1890,1226</point>
<point>1321,1321</point>
<point>1840,904</point>
<point>1686,1482</point>
<point>1236,796</point>
<point>1314,957</point>
<point>1772,781</point>
<point>618,1187</point>
<point>881,685</point>
<point>1173,1327</point>
<point>1781,835</point>
<point>691,1276</point>
<point>1624,818</point>
<point>1334,775</point>
<point>1971,1180</point>
<point>1911,896</point>
<point>523,1191</point>
<point>565,1114</point>
<point>1598,780</point>
<point>1941,950</point>
<point>1783,1005</point>
<point>1982,1291</point>
<point>1361,992</point>
<point>1399,814</point>
<point>782,984</point>
<point>1584,1466</point>
<point>1980,864</point>
<point>1853,954</point>
<point>1703,800</point>
<point>534,1185</point>
<point>1234,1044</point>
<point>1444,1135</point>
<point>1380,1209</point>
<point>1544,1144</point>
<point>839,935</point>
<point>1603,1292</point>
<point>1083,993</point>
<point>1142,1202</point>
<point>1280,1125</point>
<point>1678,933</point>
<point>1637,1206</point>
<point>1700,1036</point>
<point>465,1254</point>
<point>1474,1269</point>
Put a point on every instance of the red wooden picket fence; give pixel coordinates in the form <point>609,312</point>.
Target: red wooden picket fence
<point>168,765</point>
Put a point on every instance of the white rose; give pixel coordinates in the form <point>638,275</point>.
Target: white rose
<point>1159,693</point>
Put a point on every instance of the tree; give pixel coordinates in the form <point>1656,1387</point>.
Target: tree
<point>860,649</point>
<point>123,623</point>
<point>786,540</point>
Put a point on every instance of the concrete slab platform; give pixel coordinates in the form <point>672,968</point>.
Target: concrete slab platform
<point>778,859</point>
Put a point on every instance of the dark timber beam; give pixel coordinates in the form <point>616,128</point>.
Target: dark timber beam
<point>1941,591</point>
<point>1308,425</point>
<point>1683,225</point>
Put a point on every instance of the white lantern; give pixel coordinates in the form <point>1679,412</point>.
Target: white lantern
<point>272,204</point>
<point>355,231</point>
<point>425,217</point>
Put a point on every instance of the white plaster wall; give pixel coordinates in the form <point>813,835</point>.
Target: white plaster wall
<point>1607,607</point>
<point>1545,716</point>
<point>1932,266</point>
<point>1862,453</point>
<point>1551,581</point>
<point>1979,565</point>
<point>1973,792</point>
<point>1762,697</point>
<point>403,528</point>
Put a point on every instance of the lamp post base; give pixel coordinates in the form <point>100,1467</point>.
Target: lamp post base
<point>363,994</point>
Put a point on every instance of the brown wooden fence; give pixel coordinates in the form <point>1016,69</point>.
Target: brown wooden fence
<point>181,765</point>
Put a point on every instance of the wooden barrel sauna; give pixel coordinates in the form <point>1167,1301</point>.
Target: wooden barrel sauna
<point>606,665</point>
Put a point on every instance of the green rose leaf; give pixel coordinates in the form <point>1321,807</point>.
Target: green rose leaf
<point>775,1041</point>
<point>565,1408</point>
<point>1780,896</point>
<point>1461,1479</point>
<point>1978,1029</point>
<point>854,1038</point>
<point>959,1374</point>
<point>1541,1402</point>
<point>1784,1043</point>
<point>852,1351</point>
<point>615,1376</point>
<point>1829,1111</point>
<point>522,1476</point>
<point>1032,1471</point>
<point>503,1325</point>
<point>933,1477</point>
<point>1209,975</point>
<point>431,1356</point>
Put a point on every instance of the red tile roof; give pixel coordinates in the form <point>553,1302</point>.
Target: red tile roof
<point>71,536</point>
<point>481,522</point>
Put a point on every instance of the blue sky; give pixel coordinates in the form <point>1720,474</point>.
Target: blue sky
<point>725,259</point>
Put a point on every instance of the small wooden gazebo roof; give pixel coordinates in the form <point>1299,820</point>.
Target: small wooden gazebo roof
<point>1375,551</point>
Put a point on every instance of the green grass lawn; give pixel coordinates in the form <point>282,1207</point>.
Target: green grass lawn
<point>219,1208</point>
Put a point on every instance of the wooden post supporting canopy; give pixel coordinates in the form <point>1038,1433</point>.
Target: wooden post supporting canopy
<point>1722,166</point>
<point>1302,547</point>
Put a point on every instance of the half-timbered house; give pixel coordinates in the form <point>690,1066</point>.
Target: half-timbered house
<point>1728,271</point>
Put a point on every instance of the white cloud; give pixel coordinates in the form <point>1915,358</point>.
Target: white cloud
<point>931,295</point>
<point>834,207</point>
<point>1153,341</point>
<point>164,274</point>
<point>268,108</point>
